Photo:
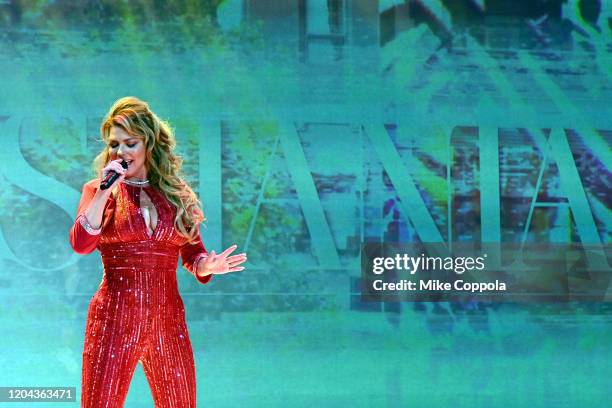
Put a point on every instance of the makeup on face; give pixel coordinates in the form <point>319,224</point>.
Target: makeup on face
<point>122,145</point>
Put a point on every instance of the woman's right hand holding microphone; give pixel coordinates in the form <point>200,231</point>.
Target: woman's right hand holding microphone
<point>114,166</point>
<point>95,211</point>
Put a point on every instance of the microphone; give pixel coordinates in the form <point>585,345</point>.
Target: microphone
<point>111,176</point>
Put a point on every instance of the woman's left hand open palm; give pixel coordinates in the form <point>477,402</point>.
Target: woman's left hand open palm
<point>222,263</point>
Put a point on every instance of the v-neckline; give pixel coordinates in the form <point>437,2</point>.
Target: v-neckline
<point>149,211</point>
<point>152,194</point>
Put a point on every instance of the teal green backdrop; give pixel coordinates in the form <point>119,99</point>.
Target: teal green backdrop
<point>308,128</point>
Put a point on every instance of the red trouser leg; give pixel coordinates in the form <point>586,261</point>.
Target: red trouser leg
<point>168,362</point>
<point>118,335</point>
<point>110,353</point>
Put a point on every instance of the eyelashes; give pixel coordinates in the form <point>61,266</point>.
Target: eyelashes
<point>130,145</point>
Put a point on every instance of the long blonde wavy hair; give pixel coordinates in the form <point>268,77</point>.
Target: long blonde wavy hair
<point>163,166</point>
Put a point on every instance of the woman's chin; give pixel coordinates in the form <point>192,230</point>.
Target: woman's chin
<point>132,175</point>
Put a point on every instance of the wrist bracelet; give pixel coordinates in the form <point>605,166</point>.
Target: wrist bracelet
<point>87,226</point>
<point>197,261</point>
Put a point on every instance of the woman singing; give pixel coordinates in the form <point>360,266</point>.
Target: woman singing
<point>140,224</point>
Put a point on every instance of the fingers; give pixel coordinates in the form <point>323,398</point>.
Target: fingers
<point>236,259</point>
<point>229,262</point>
<point>221,264</point>
<point>230,270</point>
<point>118,167</point>
<point>115,163</point>
<point>228,250</point>
<point>242,255</point>
<point>113,166</point>
<point>223,271</point>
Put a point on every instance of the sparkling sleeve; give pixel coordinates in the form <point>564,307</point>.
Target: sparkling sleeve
<point>191,254</point>
<point>83,238</point>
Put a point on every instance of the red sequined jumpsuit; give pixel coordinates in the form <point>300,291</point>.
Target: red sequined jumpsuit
<point>137,313</point>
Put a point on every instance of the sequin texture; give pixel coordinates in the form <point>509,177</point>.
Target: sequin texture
<point>137,313</point>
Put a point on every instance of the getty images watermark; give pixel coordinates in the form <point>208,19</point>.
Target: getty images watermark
<point>412,264</point>
<point>495,272</point>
